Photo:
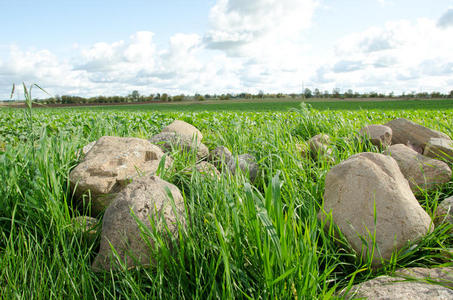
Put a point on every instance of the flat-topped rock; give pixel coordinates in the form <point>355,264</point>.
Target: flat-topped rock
<point>440,149</point>
<point>379,135</point>
<point>110,164</point>
<point>422,172</point>
<point>368,187</point>
<point>145,200</point>
<point>410,133</point>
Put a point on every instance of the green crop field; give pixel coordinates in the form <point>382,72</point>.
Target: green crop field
<point>277,105</point>
<point>243,240</point>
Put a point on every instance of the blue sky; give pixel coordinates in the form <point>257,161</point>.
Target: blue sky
<point>91,48</point>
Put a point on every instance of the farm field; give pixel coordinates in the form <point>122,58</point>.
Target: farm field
<point>243,239</point>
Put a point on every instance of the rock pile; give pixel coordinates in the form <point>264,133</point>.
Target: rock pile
<point>118,175</point>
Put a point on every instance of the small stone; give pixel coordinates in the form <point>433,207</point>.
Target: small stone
<point>379,135</point>
<point>88,226</point>
<point>247,164</point>
<point>444,212</point>
<point>220,155</point>
<point>439,149</point>
<point>320,146</point>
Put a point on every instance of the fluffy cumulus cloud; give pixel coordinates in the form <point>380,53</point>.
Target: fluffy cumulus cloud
<point>400,56</point>
<point>249,46</point>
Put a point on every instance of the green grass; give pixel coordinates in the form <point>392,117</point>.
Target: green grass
<point>242,240</point>
<point>277,105</point>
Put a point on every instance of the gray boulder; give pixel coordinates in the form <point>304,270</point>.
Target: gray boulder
<point>145,200</point>
<point>410,133</point>
<point>246,163</point>
<point>367,183</point>
<point>109,166</point>
<point>413,283</point>
<point>421,171</point>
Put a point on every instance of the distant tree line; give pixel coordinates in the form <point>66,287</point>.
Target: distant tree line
<point>135,96</point>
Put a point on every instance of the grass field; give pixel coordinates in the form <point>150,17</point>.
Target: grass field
<point>242,241</point>
<point>278,105</point>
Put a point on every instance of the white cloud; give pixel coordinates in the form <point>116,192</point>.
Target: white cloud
<point>399,56</point>
<point>250,46</point>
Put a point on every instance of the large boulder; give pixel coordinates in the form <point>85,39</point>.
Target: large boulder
<point>439,149</point>
<point>367,183</point>
<point>246,163</point>
<point>184,129</point>
<point>144,200</point>
<point>110,164</point>
<point>408,132</point>
<point>444,212</point>
<point>421,171</point>
<point>169,140</point>
<point>220,155</point>
<point>413,283</point>
<point>379,135</point>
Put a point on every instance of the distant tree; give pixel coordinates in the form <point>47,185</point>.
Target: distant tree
<point>261,94</point>
<point>451,94</point>
<point>317,93</point>
<point>308,93</point>
<point>163,97</point>
<point>336,93</point>
<point>349,94</point>
<point>200,98</point>
<point>135,96</point>
<point>207,96</point>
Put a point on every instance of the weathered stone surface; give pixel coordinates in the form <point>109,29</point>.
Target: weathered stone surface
<point>247,164</point>
<point>184,129</point>
<point>219,155</point>
<point>407,284</point>
<point>444,212</point>
<point>147,198</point>
<point>319,146</point>
<point>379,135</point>
<point>88,226</point>
<point>417,136</point>
<point>439,149</point>
<point>88,147</point>
<point>168,140</point>
<point>421,171</point>
<point>368,181</point>
<point>110,165</point>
